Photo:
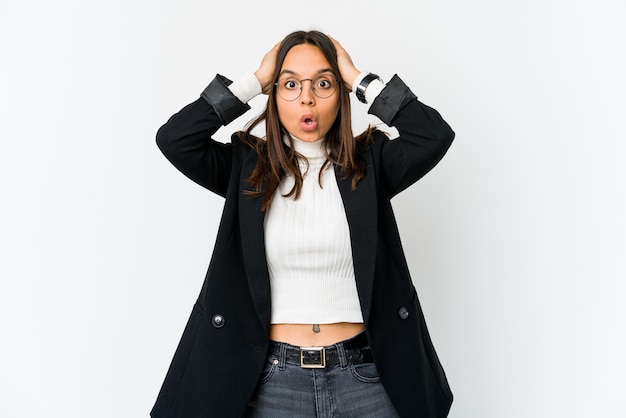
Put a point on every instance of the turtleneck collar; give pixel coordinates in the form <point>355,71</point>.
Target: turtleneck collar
<point>312,151</point>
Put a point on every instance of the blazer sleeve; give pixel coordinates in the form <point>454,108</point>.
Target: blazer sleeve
<point>424,137</point>
<point>186,138</point>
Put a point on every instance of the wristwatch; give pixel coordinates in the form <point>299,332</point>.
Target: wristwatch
<point>360,89</point>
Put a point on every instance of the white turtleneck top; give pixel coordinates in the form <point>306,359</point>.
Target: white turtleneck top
<point>308,248</point>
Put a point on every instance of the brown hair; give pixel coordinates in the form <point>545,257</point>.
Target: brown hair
<point>275,159</point>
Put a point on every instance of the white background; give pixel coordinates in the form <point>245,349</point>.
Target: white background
<point>516,240</point>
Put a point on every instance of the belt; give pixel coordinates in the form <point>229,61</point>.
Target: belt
<point>356,351</point>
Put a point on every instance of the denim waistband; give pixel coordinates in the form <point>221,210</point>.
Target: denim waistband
<point>356,350</point>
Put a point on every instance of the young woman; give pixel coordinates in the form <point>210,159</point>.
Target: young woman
<point>307,308</point>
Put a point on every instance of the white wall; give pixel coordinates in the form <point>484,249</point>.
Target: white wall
<point>516,240</point>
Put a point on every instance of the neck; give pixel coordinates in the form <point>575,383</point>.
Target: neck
<point>310,150</point>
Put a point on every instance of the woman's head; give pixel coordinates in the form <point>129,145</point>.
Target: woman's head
<point>306,63</point>
<point>321,109</point>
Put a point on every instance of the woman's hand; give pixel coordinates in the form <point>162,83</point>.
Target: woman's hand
<point>265,72</point>
<point>348,71</point>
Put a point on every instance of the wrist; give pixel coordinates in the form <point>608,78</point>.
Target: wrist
<point>246,87</point>
<point>350,78</point>
<point>264,80</point>
<point>367,86</point>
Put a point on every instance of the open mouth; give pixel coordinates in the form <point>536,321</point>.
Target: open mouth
<point>308,123</point>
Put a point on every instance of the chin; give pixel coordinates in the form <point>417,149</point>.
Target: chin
<point>307,136</point>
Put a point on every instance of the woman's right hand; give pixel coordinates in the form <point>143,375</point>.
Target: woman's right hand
<point>349,73</point>
<point>265,72</point>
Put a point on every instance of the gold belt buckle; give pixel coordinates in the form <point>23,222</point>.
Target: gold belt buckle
<point>321,351</point>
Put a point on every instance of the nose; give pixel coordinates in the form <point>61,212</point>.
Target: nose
<point>306,95</point>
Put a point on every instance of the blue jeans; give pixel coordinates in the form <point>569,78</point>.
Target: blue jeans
<point>346,388</point>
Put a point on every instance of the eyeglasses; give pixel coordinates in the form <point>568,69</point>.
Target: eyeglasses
<point>323,86</point>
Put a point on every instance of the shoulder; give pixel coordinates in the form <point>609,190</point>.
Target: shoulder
<point>375,140</point>
<point>244,144</point>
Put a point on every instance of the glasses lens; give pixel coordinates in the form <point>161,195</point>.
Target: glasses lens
<point>324,86</point>
<point>289,88</point>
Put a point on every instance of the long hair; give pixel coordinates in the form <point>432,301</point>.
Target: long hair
<point>276,159</point>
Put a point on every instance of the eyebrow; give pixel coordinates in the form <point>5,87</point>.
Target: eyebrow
<point>323,70</point>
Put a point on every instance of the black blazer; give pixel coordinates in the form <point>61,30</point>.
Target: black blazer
<point>222,351</point>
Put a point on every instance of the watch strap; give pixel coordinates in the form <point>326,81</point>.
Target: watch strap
<point>360,89</point>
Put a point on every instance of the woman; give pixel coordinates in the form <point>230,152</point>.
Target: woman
<point>307,308</point>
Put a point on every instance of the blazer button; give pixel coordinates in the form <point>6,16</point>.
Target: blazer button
<point>218,321</point>
<point>403,312</point>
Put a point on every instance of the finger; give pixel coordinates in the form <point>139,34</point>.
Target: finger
<point>337,45</point>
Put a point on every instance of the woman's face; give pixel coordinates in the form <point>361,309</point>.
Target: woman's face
<point>308,117</point>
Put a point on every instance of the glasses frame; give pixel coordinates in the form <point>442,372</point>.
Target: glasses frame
<point>312,87</point>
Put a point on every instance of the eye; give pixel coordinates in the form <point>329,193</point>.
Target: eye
<point>291,84</point>
<point>324,83</point>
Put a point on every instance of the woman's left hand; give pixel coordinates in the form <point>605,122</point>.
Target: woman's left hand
<point>348,71</point>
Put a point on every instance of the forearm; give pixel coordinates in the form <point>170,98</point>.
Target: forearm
<point>186,138</point>
<point>424,136</point>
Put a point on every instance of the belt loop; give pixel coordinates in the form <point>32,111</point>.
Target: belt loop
<point>341,352</point>
<point>282,356</point>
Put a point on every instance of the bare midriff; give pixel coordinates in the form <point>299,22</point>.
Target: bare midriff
<point>314,335</point>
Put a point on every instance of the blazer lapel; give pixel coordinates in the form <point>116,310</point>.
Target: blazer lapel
<point>362,214</point>
<point>253,244</point>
